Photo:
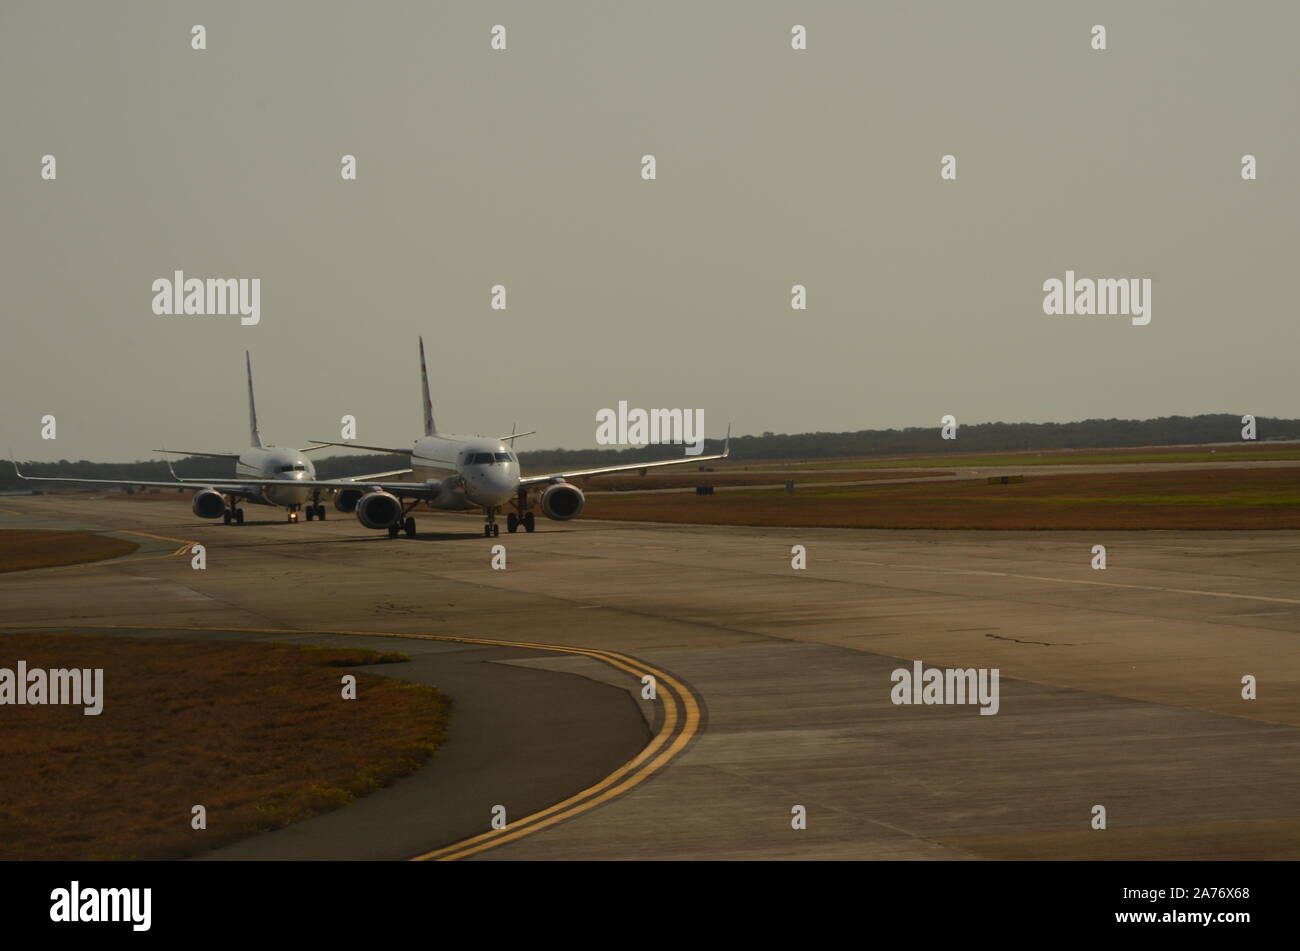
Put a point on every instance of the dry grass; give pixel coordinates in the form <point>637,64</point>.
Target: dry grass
<point>256,733</point>
<point>23,549</point>
<point>677,479</point>
<point>954,455</point>
<point>1201,499</point>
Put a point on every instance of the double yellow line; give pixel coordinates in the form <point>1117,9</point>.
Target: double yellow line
<point>681,722</point>
<point>184,547</point>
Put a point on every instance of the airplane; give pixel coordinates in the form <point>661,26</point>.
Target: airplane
<point>467,472</point>
<point>264,475</point>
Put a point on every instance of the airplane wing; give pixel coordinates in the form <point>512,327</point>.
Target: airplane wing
<point>251,488</point>
<point>353,445</point>
<point>140,482</point>
<point>380,475</point>
<point>237,488</point>
<point>628,467</point>
<point>370,477</point>
<point>409,490</point>
<point>210,455</point>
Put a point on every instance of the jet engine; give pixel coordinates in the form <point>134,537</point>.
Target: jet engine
<point>345,500</point>
<point>562,501</point>
<point>209,504</point>
<point>378,509</point>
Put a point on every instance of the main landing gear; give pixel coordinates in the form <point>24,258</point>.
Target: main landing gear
<point>316,512</point>
<point>513,522</point>
<point>233,514</point>
<point>405,523</point>
<point>521,515</point>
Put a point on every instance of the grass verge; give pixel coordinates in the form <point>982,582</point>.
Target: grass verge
<point>23,549</point>
<point>1199,499</point>
<point>256,733</point>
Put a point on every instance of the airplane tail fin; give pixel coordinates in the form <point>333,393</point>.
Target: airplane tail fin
<point>254,436</point>
<point>430,427</point>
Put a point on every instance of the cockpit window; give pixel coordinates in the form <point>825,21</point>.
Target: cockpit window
<point>480,459</point>
<point>503,457</point>
<point>292,469</point>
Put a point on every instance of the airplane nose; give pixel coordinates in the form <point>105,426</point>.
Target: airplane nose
<point>493,486</point>
<point>292,494</point>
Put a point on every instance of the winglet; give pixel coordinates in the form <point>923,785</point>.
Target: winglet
<point>253,434</point>
<point>17,471</point>
<point>726,443</point>
<point>170,469</point>
<point>430,428</point>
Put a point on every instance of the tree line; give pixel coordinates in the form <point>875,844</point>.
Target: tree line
<point>780,447</point>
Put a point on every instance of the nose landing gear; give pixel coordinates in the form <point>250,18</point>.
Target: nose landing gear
<point>490,528</point>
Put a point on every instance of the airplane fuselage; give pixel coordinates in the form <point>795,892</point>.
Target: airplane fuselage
<point>285,465</point>
<point>473,472</point>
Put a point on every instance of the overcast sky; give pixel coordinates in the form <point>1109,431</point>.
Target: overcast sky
<point>523,168</point>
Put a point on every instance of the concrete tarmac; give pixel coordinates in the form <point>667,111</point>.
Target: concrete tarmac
<point>1119,688</point>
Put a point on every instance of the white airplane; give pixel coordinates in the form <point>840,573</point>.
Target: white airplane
<point>264,475</point>
<point>467,472</point>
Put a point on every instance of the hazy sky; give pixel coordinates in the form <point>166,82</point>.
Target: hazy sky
<point>523,167</point>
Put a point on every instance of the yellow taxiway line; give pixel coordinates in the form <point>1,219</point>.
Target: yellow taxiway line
<point>184,546</point>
